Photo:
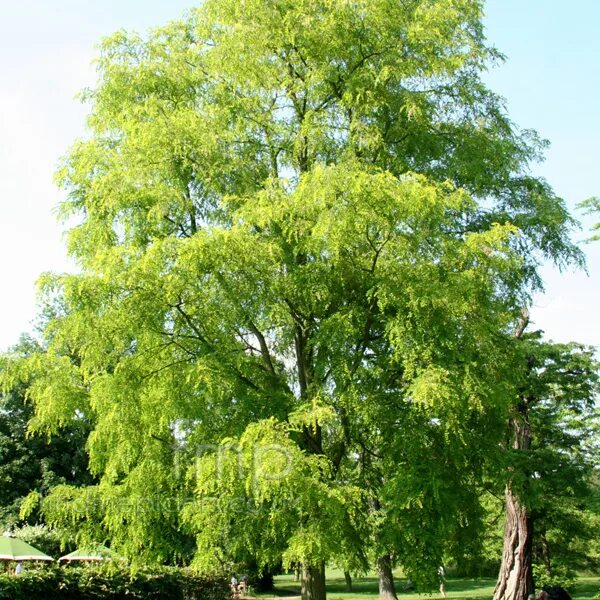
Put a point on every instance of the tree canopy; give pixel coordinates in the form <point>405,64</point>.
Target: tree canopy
<point>557,477</point>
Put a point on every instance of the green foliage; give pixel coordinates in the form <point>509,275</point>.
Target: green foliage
<point>33,464</point>
<point>486,562</point>
<point>557,477</point>
<point>110,582</point>
<point>565,461</point>
<point>283,503</point>
<point>591,206</point>
<point>561,576</point>
<point>329,270</point>
<point>42,538</point>
<point>306,230</point>
<point>238,93</point>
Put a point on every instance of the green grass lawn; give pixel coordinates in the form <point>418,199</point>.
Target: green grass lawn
<point>367,588</point>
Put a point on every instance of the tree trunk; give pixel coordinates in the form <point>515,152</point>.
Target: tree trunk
<point>348,579</point>
<point>264,581</point>
<point>546,553</point>
<point>515,581</point>
<point>387,590</point>
<point>313,582</point>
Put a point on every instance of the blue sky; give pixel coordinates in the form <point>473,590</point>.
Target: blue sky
<point>550,81</point>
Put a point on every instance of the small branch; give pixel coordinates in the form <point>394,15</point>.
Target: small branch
<point>264,348</point>
<point>523,323</point>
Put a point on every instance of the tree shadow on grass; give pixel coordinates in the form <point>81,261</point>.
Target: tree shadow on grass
<point>370,585</point>
<point>467,585</point>
<point>286,591</point>
<point>586,588</point>
<point>362,586</point>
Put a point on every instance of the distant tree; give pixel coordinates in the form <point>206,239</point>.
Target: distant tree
<point>566,446</point>
<point>30,463</point>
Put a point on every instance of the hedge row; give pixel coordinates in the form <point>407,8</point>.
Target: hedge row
<point>110,583</point>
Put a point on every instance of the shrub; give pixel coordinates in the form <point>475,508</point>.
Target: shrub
<point>561,576</point>
<point>110,582</point>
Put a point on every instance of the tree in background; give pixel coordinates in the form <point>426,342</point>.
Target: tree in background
<point>552,451</point>
<point>306,224</point>
<point>33,463</point>
<point>565,427</point>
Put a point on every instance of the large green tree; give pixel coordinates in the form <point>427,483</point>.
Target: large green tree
<point>303,223</point>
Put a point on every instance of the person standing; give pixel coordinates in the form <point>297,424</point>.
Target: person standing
<point>442,575</point>
<point>234,587</point>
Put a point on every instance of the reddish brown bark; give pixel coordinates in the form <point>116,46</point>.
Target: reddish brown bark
<point>515,580</point>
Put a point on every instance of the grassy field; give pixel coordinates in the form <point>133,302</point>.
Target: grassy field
<point>366,588</point>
